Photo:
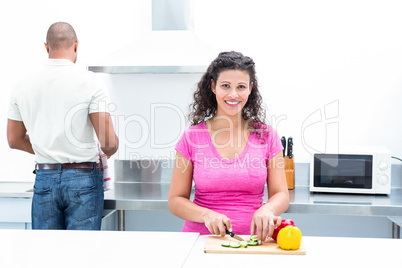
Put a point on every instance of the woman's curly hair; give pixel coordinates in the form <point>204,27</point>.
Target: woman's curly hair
<point>205,105</point>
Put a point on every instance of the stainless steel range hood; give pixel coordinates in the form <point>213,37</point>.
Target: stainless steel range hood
<point>171,46</point>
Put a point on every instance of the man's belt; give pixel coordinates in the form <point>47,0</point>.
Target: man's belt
<point>67,165</point>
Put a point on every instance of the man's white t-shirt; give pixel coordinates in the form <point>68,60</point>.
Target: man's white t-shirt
<point>54,104</point>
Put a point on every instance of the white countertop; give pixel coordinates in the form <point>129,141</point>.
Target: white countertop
<point>35,248</point>
<point>87,249</point>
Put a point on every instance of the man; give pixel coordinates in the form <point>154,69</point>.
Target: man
<point>62,107</point>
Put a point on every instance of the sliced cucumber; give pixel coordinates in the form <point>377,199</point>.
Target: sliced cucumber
<point>254,237</point>
<point>243,244</point>
<point>252,243</point>
<point>234,245</point>
<point>225,244</point>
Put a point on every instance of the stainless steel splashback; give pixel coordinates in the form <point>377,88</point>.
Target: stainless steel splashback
<point>145,170</point>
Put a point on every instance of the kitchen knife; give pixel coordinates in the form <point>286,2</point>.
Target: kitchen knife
<point>290,147</point>
<point>234,235</point>
<point>283,140</point>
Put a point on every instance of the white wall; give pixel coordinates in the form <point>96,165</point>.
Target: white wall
<point>342,58</point>
<point>151,116</point>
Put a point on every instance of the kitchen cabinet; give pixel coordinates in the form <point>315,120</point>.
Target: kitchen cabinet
<point>396,226</point>
<point>15,213</point>
<point>109,220</point>
<point>15,207</point>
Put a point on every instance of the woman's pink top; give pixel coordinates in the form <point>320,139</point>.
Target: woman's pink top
<point>233,187</point>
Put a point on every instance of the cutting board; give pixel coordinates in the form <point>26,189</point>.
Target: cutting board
<point>213,245</point>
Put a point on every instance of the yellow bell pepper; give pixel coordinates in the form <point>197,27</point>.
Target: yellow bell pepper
<point>289,237</point>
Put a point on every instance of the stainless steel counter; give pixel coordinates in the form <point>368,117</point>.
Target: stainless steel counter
<point>302,201</point>
<point>138,196</point>
<point>153,196</point>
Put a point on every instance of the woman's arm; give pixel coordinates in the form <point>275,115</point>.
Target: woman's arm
<point>180,204</point>
<point>278,194</point>
<point>267,217</point>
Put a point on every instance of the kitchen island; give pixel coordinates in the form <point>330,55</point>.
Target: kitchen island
<point>38,248</point>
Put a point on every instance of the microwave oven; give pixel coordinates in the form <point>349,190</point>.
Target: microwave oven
<point>362,171</point>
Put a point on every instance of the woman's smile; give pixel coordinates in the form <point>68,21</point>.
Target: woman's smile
<point>232,103</point>
<point>232,89</point>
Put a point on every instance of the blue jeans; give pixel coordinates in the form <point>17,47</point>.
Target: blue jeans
<point>69,199</point>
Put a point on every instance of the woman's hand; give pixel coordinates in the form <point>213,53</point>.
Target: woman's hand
<point>217,223</point>
<point>264,222</point>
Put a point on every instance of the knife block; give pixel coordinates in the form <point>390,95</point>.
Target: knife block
<point>290,172</point>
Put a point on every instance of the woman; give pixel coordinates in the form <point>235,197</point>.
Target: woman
<point>230,154</point>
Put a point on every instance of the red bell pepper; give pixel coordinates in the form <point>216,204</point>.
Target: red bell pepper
<point>284,223</point>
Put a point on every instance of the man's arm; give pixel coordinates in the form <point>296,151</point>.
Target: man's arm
<point>17,136</point>
<point>103,126</point>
